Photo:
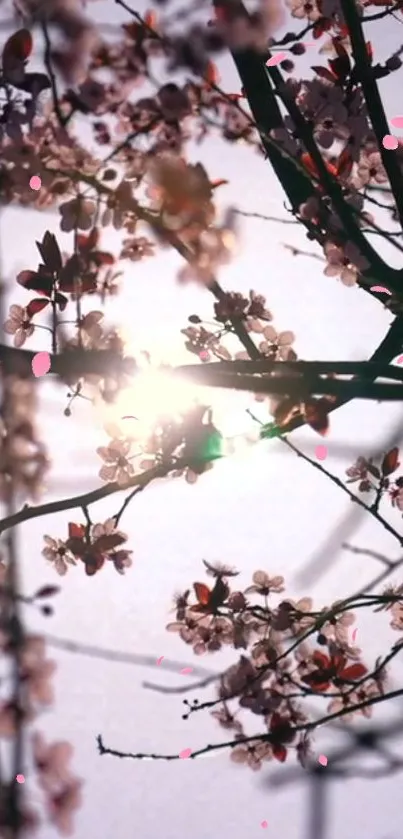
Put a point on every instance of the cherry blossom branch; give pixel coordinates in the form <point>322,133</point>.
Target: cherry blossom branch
<point>304,389</point>
<point>366,552</point>
<point>298,184</point>
<point>88,498</point>
<point>355,498</point>
<point>266,218</point>
<point>68,363</point>
<point>266,737</point>
<point>329,183</point>
<point>365,74</point>
<point>366,738</point>
<point>81,362</point>
<point>356,601</point>
<point>63,120</point>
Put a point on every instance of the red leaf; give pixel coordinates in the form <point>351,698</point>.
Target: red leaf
<point>316,415</point>
<point>40,281</point>
<point>47,591</point>
<point>76,546</point>
<point>354,672</point>
<point>390,462</point>
<point>321,660</point>
<point>344,163</point>
<point>69,273</point>
<point>106,543</point>
<point>324,73</point>
<point>320,27</point>
<point>76,531</point>
<point>88,243</point>
<point>342,54</point>
<point>18,47</point>
<point>36,306</point>
<point>50,253</point>
<point>310,166</point>
<point>202,593</point>
<point>93,562</point>
<point>339,68</point>
<point>61,301</point>
<point>102,258</point>
<point>279,752</point>
<point>26,278</point>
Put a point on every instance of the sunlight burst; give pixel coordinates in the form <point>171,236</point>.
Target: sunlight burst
<point>154,394</point>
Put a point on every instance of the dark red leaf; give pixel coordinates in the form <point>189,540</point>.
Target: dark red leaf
<point>69,273</point>
<point>390,462</point>
<point>321,660</point>
<point>50,253</point>
<point>88,243</point>
<point>324,73</point>
<point>341,52</point>
<point>61,301</point>
<point>93,562</point>
<point>344,163</point>
<point>18,47</point>
<point>316,415</point>
<point>320,27</point>
<point>36,306</point>
<point>106,543</point>
<point>102,258</point>
<point>77,546</point>
<point>338,67</point>
<point>26,278</point>
<point>317,681</point>
<point>279,752</point>
<point>33,83</point>
<point>47,591</point>
<point>40,281</point>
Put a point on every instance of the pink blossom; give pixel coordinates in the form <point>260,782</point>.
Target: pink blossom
<point>19,324</point>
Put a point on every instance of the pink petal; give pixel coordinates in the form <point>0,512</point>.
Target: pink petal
<point>276,59</point>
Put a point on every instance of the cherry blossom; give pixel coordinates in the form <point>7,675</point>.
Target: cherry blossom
<point>19,324</point>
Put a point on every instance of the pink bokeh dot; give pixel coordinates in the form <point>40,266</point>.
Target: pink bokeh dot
<point>264,824</point>
<point>390,142</point>
<point>397,122</point>
<point>322,759</point>
<point>321,452</point>
<point>35,182</point>
<point>20,779</point>
<point>185,753</point>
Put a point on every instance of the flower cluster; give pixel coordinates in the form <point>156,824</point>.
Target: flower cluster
<point>377,479</point>
<point>290,651</point>
<point>93,545</point>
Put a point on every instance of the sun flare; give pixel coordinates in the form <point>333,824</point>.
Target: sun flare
<point>153,394</point>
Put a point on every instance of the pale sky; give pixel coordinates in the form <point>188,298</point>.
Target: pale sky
<point>261,509</point>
